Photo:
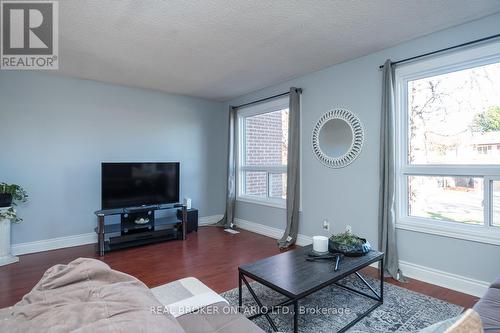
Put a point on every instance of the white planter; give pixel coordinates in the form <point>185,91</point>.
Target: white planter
<point>6,256</point>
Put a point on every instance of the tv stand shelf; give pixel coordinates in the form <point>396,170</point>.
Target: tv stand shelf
<point>112,236</point>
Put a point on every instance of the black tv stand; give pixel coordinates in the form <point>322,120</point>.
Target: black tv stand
<point>139,226</point>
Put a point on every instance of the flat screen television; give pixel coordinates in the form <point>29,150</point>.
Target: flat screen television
<point>126,185</point>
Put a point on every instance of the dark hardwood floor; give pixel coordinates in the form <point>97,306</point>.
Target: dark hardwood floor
<point>211,255</point>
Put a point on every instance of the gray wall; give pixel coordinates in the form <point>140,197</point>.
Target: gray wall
<point>55,132</point>
<point>350,195</point>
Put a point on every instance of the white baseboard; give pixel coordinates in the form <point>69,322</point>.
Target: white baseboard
<point>54,243</point>
<point>207,220</point>
<point>444,279</point>
<point>83,239</point>
<point>430,275</point>
<point>302,240</point>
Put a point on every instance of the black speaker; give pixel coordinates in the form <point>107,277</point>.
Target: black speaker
<point>192,219</point>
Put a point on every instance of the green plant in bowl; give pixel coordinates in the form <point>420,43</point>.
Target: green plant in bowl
<point>348,244</point>
<point>346,238</point>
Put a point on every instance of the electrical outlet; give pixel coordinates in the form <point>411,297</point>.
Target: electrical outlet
<point>326,225</point>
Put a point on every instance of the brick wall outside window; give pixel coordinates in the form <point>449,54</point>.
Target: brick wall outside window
<point>266,138</point>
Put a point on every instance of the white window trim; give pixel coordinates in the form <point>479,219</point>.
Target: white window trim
<point>261,108</point>
<point>486,233</point>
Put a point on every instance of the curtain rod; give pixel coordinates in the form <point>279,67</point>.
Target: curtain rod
<point>299,90</point>
<point>445,49</point>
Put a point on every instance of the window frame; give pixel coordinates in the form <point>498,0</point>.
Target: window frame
<point>243,113</point>
<point>447,63</point>
<point>489,199</point>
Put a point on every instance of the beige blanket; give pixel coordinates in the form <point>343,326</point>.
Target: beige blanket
<point>87,296</point>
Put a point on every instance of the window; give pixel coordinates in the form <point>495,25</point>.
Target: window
<point>262,153</point>
<point>448,119</point>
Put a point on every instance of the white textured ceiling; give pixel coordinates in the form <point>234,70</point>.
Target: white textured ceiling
<point>220,49</point>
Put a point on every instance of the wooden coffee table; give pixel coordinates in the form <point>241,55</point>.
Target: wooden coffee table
<point>291,275</point>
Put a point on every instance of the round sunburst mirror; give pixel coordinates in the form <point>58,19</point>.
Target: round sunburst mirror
<point>337,138</point>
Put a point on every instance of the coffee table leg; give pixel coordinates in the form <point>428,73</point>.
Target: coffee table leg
<point>240,296</point>
<point>259,303</point>
<point>296,317</point>
<point>382,280</point>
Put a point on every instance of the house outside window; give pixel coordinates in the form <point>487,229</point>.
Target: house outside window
<point>448,131</point>
<point>262,134</point>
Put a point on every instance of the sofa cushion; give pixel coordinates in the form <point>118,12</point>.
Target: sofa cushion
<point>185,296</point>
<point>467,322</point>
<point>488,309</point>
<point>217,318</point>
<point>496,284</point>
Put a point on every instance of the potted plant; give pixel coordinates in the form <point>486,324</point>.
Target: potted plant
<point>10,194</point>
<point>349,244</point>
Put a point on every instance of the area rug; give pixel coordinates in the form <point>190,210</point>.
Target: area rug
<point>403,310</point>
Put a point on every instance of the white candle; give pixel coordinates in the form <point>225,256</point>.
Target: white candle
<point>320,244</point>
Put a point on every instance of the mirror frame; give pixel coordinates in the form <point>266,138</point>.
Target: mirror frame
<point>357,138</point>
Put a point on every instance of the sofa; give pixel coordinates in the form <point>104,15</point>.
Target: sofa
<point>86,295</point>
<point>483,317</point>
<point>488,308</point>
